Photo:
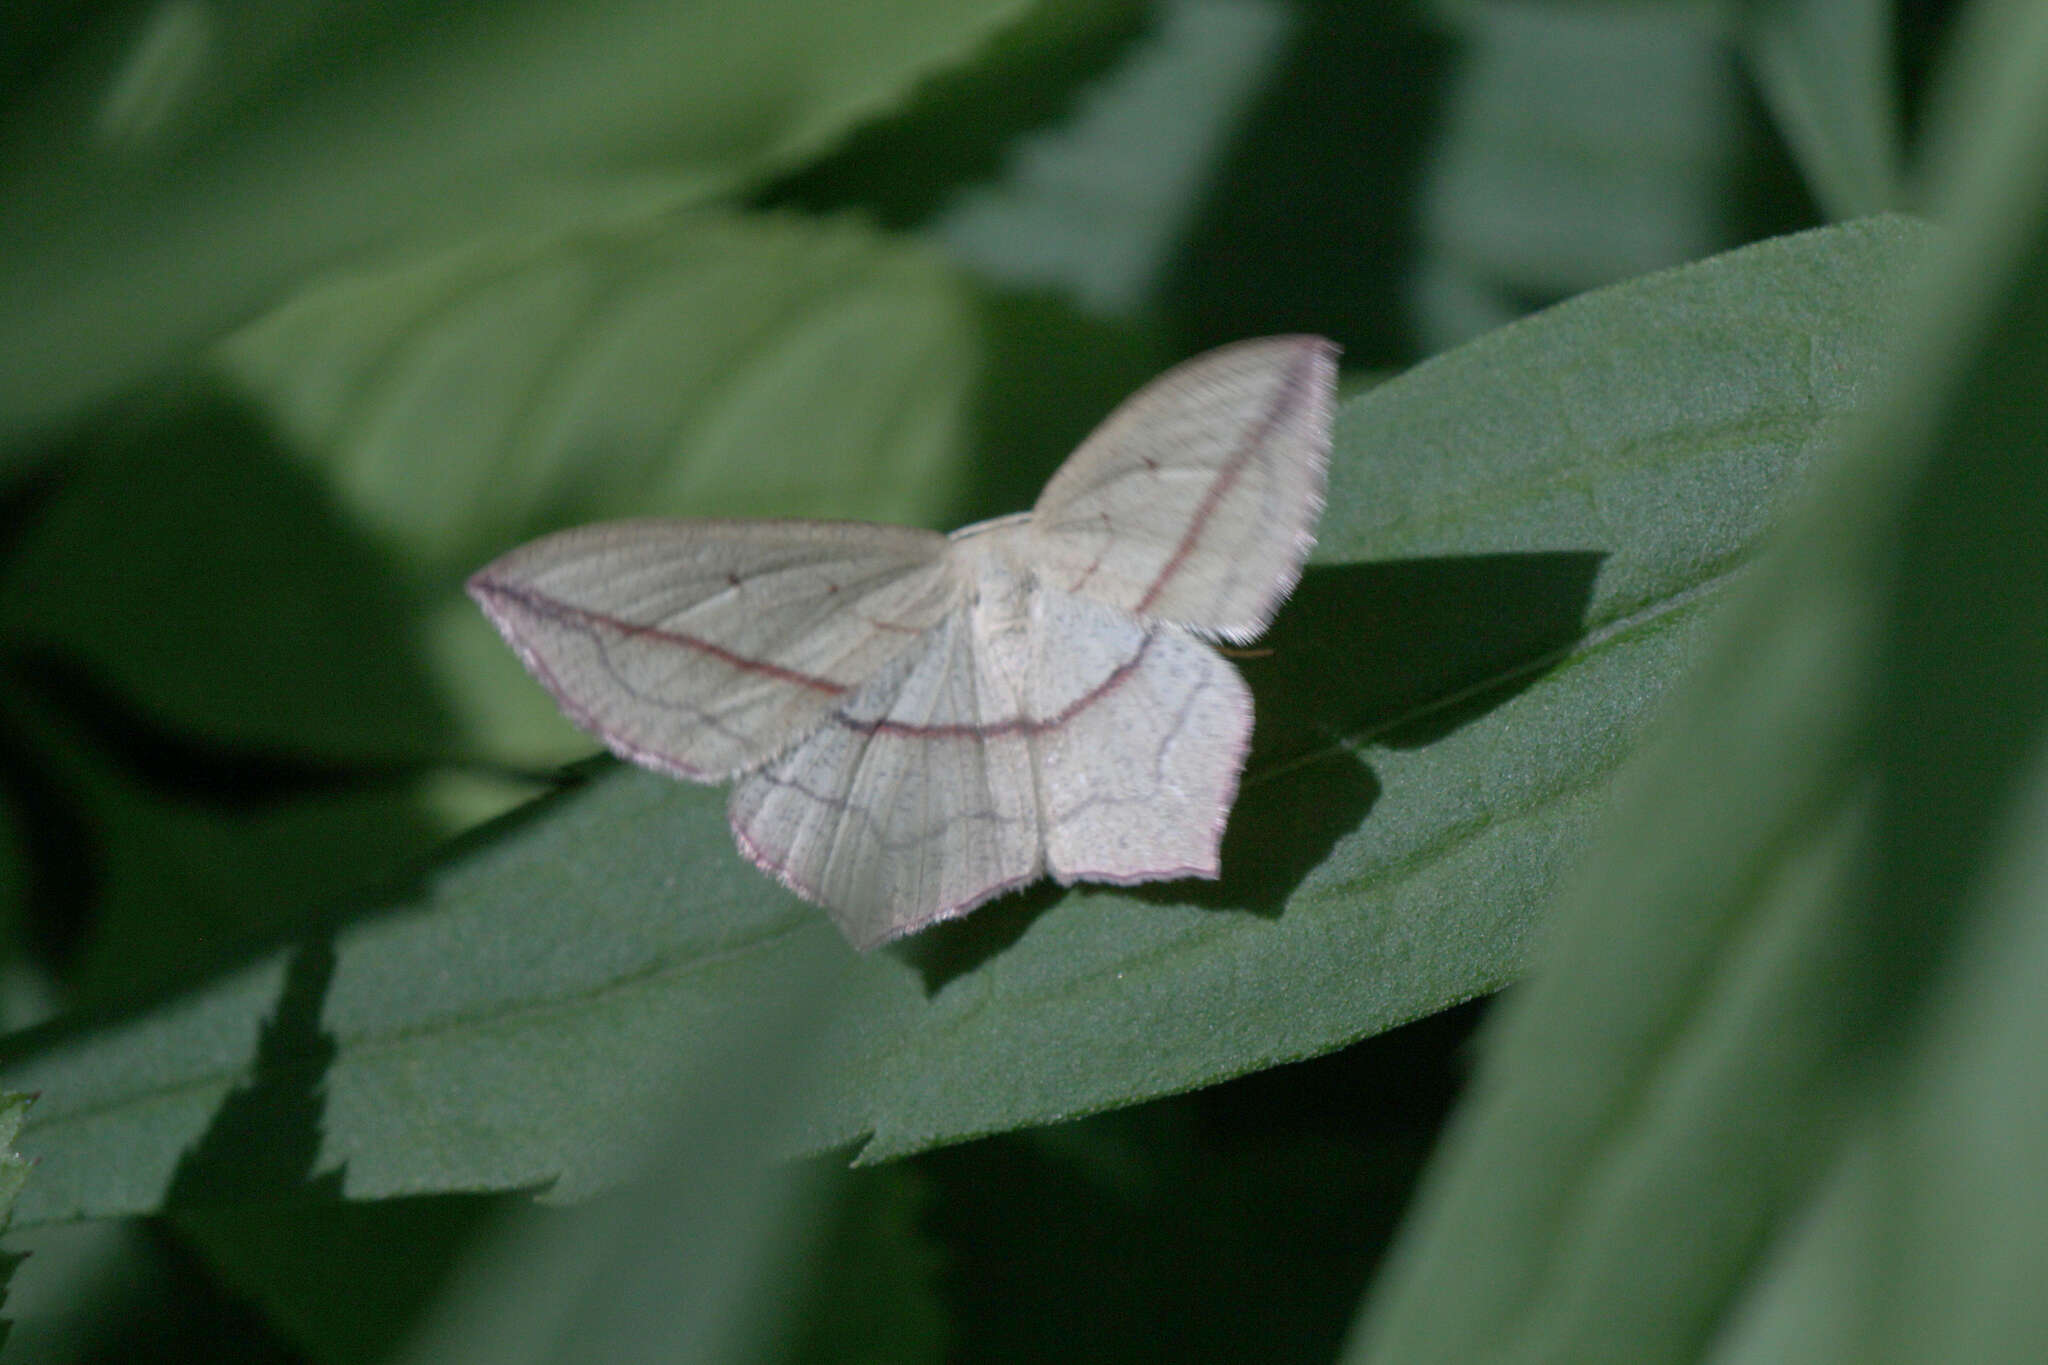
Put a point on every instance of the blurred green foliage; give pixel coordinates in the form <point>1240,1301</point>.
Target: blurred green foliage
<point>1677,639</point>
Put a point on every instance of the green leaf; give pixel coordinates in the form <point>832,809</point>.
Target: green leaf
<point>13,1175</point>
<point>172,857</point>
<point>196,163</point>
<point>705,364</point>
<point>702,1256</point>
<point>1826,68</point>
<point>395,1256</point>
<point>961,127</point>
<point>183,569</point>
<point>1523,541</point>
<point>13,1169</point>
<point>461,402</point>
<point>1096,206</point>
<point>1784,1052</point>
<point>1582,144</point>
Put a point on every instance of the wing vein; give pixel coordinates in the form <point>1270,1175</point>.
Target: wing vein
<point>1016,725</point>
<point>1299,374</point>
<point>557,610</point>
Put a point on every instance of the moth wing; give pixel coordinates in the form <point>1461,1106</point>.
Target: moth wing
<point>704,648</point>
<point>913,802</point>
<point>1144,736</point>
<point>1196,500</point>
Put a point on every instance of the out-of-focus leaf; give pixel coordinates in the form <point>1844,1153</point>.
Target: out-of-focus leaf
<point>1701,11</point>
<point>1523,540</point>
<point>1915,1246</point>
<point>1307,220</point>
<point>163,857</point>
<point>14,873</point>
<point>1049,376</point>
<point>125,1289</point>
<point>161,190</point>
<point>1580,145</point>
<point>697,365</point>
<point>1115,1237</point>
<point>699,1258</point>
<point>1826,68</point>
<point>1096,207</point>
<point>395,1256</point>
<point>13,1174</point>
<point>181,569</point>
<point>1801,946</point>
<point>961,124</point>
<point>871,1272</point>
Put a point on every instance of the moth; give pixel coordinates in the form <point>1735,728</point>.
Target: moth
<point>919,722</point>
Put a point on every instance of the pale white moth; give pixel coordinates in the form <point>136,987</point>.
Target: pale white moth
<point>919,722</point>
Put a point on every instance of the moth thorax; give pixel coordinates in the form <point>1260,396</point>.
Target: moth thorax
<point>1002,605</point>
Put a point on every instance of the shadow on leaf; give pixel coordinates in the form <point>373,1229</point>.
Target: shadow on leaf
<point>1279,833</point>
<point>1400,653</point>
<point>264,1140</point>
<point>956,947</point>
<point>1406,651</point>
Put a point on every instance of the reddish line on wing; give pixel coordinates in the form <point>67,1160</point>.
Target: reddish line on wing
<point>1226,478</point>
<point>561,611</point>
<point>1020,725</point>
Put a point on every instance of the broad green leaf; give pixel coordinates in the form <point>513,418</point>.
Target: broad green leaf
<point>13,1169</point>
<point>1796,966</point>
<point>182,884</point>
<point>185,172</point>
<point>1523,541</point>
